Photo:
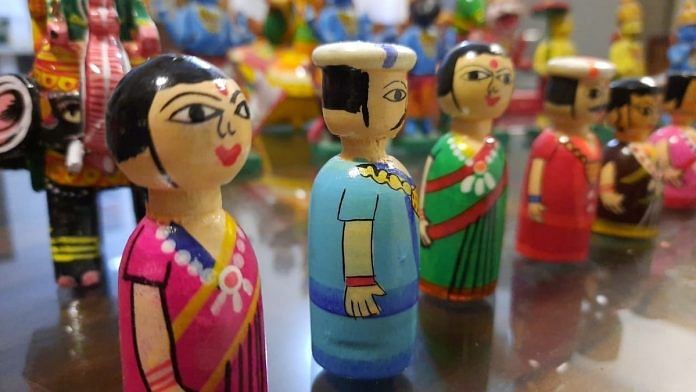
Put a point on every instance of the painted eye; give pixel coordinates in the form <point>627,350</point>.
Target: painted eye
<point>476,75</point>
<point>593,93</point>
<point>505,78</point>
<point>395,95</point>
<point>72,114</point>
<point>242,110</point>
<point>194,114</point>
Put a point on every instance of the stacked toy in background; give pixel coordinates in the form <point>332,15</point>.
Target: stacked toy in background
<point>681,53</point>
<point>557,43</point>
<point>627,52</point>
<point>363,222</point>
<point>630,179</point>
<point>559,193</point>
<point>465,177</point>
<point>83,50</point>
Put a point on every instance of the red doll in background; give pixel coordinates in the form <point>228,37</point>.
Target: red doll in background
<point>559,194</point>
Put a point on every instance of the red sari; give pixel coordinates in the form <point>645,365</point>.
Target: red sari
<point>569,196</point>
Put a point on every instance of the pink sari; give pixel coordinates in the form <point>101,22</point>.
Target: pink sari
<point>682,156</point>
<point>212,309</point>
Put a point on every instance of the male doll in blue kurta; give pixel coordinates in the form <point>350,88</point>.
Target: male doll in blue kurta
<point>363,242</point>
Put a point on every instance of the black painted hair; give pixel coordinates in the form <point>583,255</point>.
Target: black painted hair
<point>676,87</point>
<point>445,74</point>
<point>127,129</point>
<point>424,12</point>
<point>622,90</point>
<point>561,90</point>
<point>346,88</point>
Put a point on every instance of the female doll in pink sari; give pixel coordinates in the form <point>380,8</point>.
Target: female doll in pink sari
<point>676,142</point>
<point>189,293</point>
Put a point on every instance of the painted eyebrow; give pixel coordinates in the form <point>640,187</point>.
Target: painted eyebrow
<point>235,95</point>
<point>172,99</point>
<point>504,69</point>
<point>395,81</point>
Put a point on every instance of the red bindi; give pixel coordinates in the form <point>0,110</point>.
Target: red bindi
<point>494,64</point>
<point>222,88</point>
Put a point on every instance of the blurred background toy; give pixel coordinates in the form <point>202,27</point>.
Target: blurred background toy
<point>559,192</point>
<point>339,21</point>
<point>682,53</point>
<point>626,52</point>
<point>630,184</point>
<point>676,142</point>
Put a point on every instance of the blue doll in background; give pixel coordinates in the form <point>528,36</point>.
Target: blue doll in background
<point>431,45</point>
<point>682,55</point>
<point>203,28</point>
<point>363,225</point>
<point>338,21</point>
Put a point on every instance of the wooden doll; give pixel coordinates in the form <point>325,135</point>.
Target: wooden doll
<point>72,175</point>
<point>465,177</point>
<point>629,190</point>
<point>681,53</point>
<point>559,193</point>
<point>339,21</point>
<point>676,142</point>
<point>558,42</point>
<point>363,223</point>
<point>189,294</point>
<point>626,52</point>
<point>425,39</point>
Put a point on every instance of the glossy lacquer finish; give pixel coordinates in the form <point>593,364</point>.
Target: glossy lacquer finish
<point>465,187</point>
<point>559,195</point>
<point>363,241</point>
<point>190,312</point>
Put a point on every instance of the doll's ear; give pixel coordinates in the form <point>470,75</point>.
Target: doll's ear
<point>618,117</point>
<point>19,117</point>
<point>669,106</point>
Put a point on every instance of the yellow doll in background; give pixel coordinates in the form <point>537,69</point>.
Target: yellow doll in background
<point>627,51</point>
<point>558,42</point>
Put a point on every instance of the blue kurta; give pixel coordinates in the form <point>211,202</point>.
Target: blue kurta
<point>378,346</point>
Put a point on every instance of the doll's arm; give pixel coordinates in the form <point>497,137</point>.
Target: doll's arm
<point>534,197</point>
<point>670,173</point>
<point>607,193</point>
<point>152,339</point>
<point>361,285</point>
<point>423,226</point>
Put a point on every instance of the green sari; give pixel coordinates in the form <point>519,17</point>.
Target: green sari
<point>465,197</point>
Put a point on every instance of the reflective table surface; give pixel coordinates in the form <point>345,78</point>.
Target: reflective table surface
<point>623,321</point>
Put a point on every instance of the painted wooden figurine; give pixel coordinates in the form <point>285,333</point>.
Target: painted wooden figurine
<point>189,293</point>
<point>627,52</point>
<point>465,177</point>
<point>425,39</point>
<point>559,193</point>
<point>339,21</point>
<point>682,54</point>
<point>70,74</point>
<point>629,183</point>
<point>363,223</point>
<point>558,42</point>
<point>676,142</point>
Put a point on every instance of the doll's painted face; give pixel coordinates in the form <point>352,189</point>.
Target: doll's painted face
<point>591,99</point>
<point>481,88</point>
<point>201,133</point>
<point>374,107</point>
<point>640,114</point>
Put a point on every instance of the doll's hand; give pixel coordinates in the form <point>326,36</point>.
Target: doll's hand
<point>673,176</point>
<point>612,201</point>
<point>359,301</point>
<point>423,229</point>
<point>535,211</point>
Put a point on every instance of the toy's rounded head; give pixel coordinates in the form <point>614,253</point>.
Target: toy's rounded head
<point>578,88</point>
<point>504,13</point>
<point>633,105</point>
<point>630,18</point>
<point>680,94</point>
<point>475,81</point>
<point>364,88</point>
<point>425,12</point>
<point>561,25</point>
<point>177,122</point>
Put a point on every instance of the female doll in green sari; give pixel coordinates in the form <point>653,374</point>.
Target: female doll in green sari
<point>465,177</point>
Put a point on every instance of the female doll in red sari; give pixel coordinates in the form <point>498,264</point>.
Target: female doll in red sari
<point>559,193</point>
<point>189,293</point>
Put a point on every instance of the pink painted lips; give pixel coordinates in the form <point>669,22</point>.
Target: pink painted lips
<point>228,156</point>
<point>492,100</point>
